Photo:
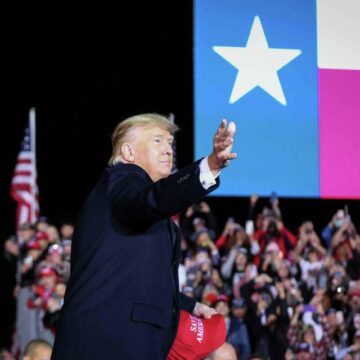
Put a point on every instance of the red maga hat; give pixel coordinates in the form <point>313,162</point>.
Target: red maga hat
<point>42,235</point>
<point>197,337</point>
<point>47,271</point>
<point>211,298</point>
<point>33,245</point>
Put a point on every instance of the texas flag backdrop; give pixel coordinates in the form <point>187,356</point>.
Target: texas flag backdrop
<point>288,73</point>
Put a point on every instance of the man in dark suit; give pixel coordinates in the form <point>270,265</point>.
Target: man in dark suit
<point>123,300</point>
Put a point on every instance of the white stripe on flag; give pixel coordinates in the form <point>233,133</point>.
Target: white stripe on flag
<point>21,179</point>
<point>24,214</point>
<point>26,196</point>
<point>24,167</point>
<point>338,28</point>
<point>25,155</point>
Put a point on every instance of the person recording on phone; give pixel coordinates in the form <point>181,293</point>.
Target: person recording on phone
<point>234,235</point>
<point>198,217</point>
<point>339,224</point>
<point>274,230</point>
<point>122,299</point>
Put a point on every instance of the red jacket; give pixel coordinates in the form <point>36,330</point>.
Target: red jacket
<point>40,292</point>
<point>285,239</point>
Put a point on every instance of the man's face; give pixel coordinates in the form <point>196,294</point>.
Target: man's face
<point>239,312</point>
<point>67,231</point>
<point>153,151</point>
<point>48,282</point>
<point>309,336</point>
<point>26,235</point>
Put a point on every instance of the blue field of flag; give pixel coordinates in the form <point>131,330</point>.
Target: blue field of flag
<point>256,64</point>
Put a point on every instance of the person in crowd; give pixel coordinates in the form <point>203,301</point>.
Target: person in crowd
<point>5,354</point>
<point>237,334</point>
<point>234,235</point>
<point>66,230</point>
<point>203,242</point>
<point>335,224</point>
<point>38,302</point>
<point>53,234</point>
<point>337,328</point>
<point>277,322</point>
<point>29,257</point>
<point>233,269</point>
<point>303,336</point>
<point>224,352</point>
<point>351,352</point>
<point>54,305</point>
<point>258,298</point>
<point>341,242</point>
<point>308,240</point>
<point>197,217</point>
<point>205,276</point>
<point>37,349</point>
<point>55,259</point>
<point>43,238</point>
<point>43,290</point>
<point>275,231</point>
<point>353,265</point>
<point>66,245</point>
<point>42,224</point>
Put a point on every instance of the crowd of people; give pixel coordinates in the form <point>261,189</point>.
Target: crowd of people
<point>42,256</point>
<point>284,294</point>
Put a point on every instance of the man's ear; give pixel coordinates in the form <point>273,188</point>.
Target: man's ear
<point>127,152</point>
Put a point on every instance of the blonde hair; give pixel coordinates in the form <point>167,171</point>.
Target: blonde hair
<point>122,132</point>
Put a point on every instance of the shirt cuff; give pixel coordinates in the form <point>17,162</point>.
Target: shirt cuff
<point>207,178</point>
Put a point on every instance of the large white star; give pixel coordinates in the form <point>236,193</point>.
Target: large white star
<point>257,64</point>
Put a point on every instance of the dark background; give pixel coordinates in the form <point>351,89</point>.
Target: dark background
<point>84,71</point>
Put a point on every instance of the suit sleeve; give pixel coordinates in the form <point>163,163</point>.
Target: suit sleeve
<point>134,199</point>
<point>187,303</point>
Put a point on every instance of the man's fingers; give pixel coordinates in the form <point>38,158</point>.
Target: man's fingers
<point>222,128</point>
<point>223,142</point>
<point>210,312</point>
<point>222,145</point>
<point>231,129</point>
<point>224,132</point>
<point>229,156</point>
<point>223,124</point>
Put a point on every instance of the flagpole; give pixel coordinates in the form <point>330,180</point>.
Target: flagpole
<point>32,119</point>
<point>174,168</point>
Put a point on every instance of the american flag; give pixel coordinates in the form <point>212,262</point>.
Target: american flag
<point>24,189</point>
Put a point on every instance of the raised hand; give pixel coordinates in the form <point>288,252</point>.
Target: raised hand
<point>222,146</point>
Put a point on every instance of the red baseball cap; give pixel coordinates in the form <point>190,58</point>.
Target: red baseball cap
<point>46,271</point>
<point>197,337</point>
<point>42,235</point>
<point>211,298</point>
<point>33,245</point>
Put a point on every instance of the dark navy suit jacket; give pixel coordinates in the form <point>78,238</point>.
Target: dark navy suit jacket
<point>123,297</point>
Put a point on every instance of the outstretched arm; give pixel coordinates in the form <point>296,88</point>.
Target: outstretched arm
<point>134,198</point>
